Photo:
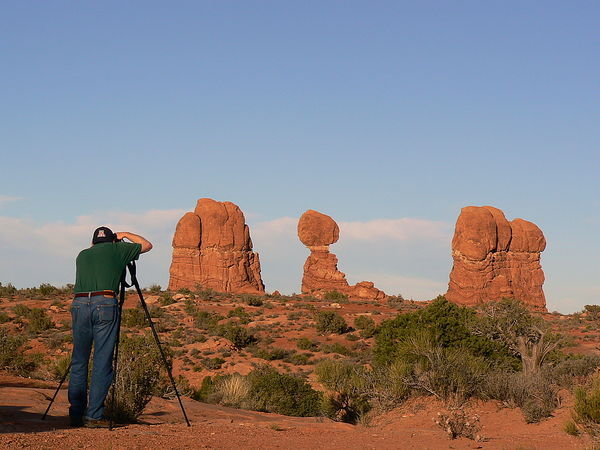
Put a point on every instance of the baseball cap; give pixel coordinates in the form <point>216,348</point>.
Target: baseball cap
<point>103,234</point>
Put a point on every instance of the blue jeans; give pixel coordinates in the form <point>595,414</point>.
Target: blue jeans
<point>95,321</point>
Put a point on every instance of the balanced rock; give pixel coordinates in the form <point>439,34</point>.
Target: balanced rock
<point>212,248</point>
<point>495,259</point>
<point>321,275</point>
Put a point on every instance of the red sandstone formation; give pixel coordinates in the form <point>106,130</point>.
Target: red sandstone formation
<point>495,258</point>
<point>212,248</point>
<point>317,231</point>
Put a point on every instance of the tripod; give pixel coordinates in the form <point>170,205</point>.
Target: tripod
<point>134,282</point>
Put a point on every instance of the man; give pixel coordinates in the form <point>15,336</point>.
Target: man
<point>95,316</point>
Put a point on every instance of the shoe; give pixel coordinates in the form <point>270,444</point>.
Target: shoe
<point>75,421</point>
<point>96,423</point>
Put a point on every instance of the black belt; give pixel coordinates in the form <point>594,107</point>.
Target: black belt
<point>94,294</point>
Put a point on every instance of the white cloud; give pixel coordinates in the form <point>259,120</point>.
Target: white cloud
<point>33,253</point>
<point>404,229</point>
<point>8,199</point>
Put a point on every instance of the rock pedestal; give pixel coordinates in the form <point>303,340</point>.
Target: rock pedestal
<point>495,259</point>
<point>212,248</point>
<point>318,231</point>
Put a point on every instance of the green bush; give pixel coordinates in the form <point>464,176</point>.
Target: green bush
<point>451,374</point>
<point>448,325</point>
<point>271,391</point>
<point>272,354</point>
<point>47,289</point>
<point>134,318</point>
<point>4,317</point>
<point>12,358</point>
<point>251,300</point>
<point>366,325</point>
<point>307,344</point>
<point>537,396</point>
<point>138,377</point>
<point>39,320</point>
<point>239,336</point>
<point>240,313</point>
<point>587,404</point>
<point>330,322</point>
<point>347,382</point>
<point>206,320</point>
<point>21,310</point>
<point>166,299</point>
<point>59,367</point>
<point>154,288</point>
<point>336,348</point>
<point>335,296</point>
<point>7,291</point>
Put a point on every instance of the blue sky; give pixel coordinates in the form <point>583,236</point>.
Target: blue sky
<point>125,113</point>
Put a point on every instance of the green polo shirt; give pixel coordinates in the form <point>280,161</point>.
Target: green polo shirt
<point>100,267</point>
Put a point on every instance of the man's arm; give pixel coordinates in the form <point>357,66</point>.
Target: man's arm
<point>146,245</point>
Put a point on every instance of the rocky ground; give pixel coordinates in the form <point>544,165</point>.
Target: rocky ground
<point>282,323</point>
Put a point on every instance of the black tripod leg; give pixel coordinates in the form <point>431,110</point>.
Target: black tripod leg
<point>162,354</point>
<point>115,365</point>
<point>62,380</point>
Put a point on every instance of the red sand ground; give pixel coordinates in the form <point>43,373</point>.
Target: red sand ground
<point>411,427</point>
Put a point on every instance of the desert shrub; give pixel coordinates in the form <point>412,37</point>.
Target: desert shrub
<point>335,296</point>
<point>348,400</point>
<point>232,390</point>
<point>213,363</point>
<point>336,348</point>
<point>206,320</point>
<point>330,322</point>
<point>59,367</point>
<point>593,311</point>
<point>166,299</point>
<point>4,317</point>
<point>21,310</point>
<point>154,288</point>
<point>536,395</point>
<point>7,291</point>
<point>587,405</point>
<point>572,368</point>
<point>138,376</point>
<point>272,354</point>
<point>39,321</point>
<point>271,391</point>
<point>366,325</point>
<point>307,344</point>
<point>251,300</point>
<point>239,336</point>
<point>205,391</point>
<point>134,318</point>
<point>12,358</point>
<point>451,374</point>
<point>510,322</point>
<point>448,325</point>
<point>457,423</point>
<point>58,340</point>
<point>240,313</point>
<point>47,289</point>
<point>571,428</point>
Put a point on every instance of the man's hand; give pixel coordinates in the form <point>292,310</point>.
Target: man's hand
<point>146,245</point>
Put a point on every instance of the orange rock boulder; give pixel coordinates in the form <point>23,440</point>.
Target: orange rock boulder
<point>212,248</point>
<point>321,275</point>
<point>495,258</point>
